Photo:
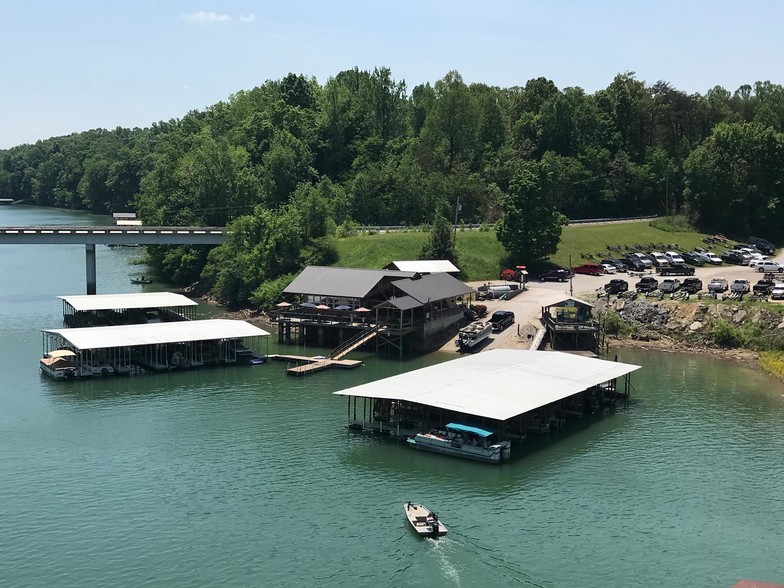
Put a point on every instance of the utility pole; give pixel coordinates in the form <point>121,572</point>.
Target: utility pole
<point>571,274</point>
<point>457,209</point>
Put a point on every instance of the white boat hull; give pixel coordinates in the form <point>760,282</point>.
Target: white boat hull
<point>423,521</point>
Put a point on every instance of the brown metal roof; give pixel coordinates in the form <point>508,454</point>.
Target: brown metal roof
<point>341,281</point>
<point>433,287</point>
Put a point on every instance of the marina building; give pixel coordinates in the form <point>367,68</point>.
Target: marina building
<point>398,310</point>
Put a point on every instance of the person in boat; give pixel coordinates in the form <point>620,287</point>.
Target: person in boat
<point>434,524</point>
<point>408,505</point>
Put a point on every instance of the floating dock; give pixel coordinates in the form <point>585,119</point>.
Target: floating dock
<point>313,364</point>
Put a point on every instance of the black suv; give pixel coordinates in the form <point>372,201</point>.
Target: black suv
<point>616,286</point>
<point>691,285</point>
<point>556,275</point>
<point>689,257</point>
<point>647,284</point>
<point>732,257</point>
<point>501,319</point>
<point>634,263</point>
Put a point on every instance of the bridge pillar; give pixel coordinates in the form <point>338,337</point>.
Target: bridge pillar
<point>90,259</point>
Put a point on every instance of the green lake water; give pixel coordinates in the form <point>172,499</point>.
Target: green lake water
<point>244,476</point>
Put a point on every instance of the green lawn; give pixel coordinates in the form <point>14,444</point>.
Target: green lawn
<point>482,256</point>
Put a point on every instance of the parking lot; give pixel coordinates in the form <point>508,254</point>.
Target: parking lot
<point>527,306</point>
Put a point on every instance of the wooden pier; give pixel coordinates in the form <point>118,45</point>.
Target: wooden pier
<point>311,365</point>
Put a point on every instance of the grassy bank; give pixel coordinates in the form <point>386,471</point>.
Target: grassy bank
<point>482,256</point>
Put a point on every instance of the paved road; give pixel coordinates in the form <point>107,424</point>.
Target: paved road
<point>527,305</point>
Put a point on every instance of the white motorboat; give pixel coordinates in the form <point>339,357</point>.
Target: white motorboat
<point>463,441</point>
<point>59,364</point>
<point>424,522</point>
<point>472,335</point>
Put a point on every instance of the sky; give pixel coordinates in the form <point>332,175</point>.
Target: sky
<point>73,65</point>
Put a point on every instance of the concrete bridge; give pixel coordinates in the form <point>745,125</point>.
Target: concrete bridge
<point>111,235</point>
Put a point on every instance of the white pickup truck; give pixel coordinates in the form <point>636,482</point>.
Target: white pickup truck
<point>718,285</point>
<point>740,286</point>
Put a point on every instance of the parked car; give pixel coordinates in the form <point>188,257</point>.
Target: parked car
<point>659,260</point>
<point>619,264</point>
<point>502,319</point>
<point>674,258</point>
<point>609,268</point>
<point>740,286</point>
<point>647,284</point>
<point>769,266</point>
<point>718,285</point>
<point>713,258</point>
<point>691,285</point>
<point>694,258</point>
<point>764,287</point>
<point>644,259</point>
<point>616,286</point>
<point>670,285</point>
<point>733,256</point>
<point>555,275</point>
<point>778,292</point>
<point>762,244</point>
<point>591,269</point>
<point>635,264</point>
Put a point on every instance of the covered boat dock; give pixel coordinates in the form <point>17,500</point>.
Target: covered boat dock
<point>126,309</point>
<point>510,391</point>
<point>159,346</point>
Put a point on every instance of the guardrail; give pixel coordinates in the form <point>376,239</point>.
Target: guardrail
<point>476,226</point>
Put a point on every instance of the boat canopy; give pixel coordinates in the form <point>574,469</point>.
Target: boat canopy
<point>466,429</point>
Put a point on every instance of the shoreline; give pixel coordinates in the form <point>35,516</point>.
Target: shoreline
<point>668,345</point>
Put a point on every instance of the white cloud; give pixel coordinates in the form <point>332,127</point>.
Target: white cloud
<point>207,17</point>
<point>248,19</point>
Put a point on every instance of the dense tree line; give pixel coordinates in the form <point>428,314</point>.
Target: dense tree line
<point>292,163</point>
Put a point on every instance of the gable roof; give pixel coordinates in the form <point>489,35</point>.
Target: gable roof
<point>424,266</point>
<point>571,301</point>
<point>341,281</point>
<point>433,287</point>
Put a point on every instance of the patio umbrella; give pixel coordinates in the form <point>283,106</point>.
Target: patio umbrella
<point>283,304</point>
<point>322,307</point>
<point>361,309</point>
<point>342,307</point>
<point>307,305</point>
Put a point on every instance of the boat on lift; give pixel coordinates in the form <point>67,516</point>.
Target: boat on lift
<point>463,441</point>
<point>59,364</point>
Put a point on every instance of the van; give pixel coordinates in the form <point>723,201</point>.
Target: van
<point>501,319</point>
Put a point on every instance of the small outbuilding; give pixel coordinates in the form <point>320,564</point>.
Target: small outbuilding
<point>570,326</point>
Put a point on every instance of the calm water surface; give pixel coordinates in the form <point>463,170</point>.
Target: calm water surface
<point>247,477</point>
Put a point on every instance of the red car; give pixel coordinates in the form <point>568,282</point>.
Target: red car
<point>592,269</point>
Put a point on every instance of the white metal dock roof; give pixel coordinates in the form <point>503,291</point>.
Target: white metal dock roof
<point>497,384</point>
<point>137,300</point>
<point>430,266</point>
<point>157,333</point>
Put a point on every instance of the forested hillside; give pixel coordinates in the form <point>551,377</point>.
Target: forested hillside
<point>292,163</point>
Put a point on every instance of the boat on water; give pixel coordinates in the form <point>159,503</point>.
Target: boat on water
<point>471,336</point>
<point>141,280</point>
<point>59,364</point>
<point>463,441</point>
<point>424,522</point>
